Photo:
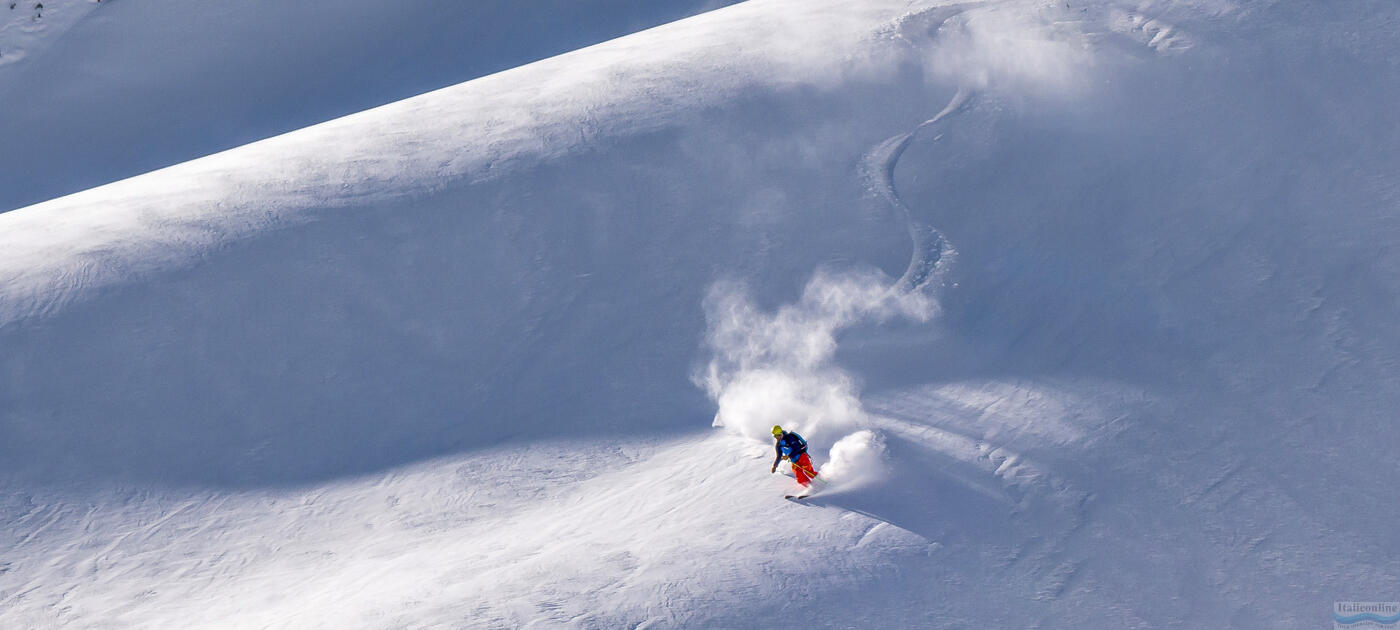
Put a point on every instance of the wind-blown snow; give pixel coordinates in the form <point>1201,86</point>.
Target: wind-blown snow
<point>1087,310</point>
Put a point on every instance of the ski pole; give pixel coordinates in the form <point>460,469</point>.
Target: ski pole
<point>811,473</point>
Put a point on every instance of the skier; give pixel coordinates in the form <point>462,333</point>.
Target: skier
<point>792,447</point>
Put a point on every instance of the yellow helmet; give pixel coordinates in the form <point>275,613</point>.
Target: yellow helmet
<point>777,431</point>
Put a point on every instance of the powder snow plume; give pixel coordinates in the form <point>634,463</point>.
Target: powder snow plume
<point>770,368</point>
<point>856,459</point>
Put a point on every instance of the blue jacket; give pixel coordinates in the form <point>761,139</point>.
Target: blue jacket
<point>791,445</point>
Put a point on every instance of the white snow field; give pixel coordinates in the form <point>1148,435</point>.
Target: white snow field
<point>1089,312</point>
<point>134,86</point>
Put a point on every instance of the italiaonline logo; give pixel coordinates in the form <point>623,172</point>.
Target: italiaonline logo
<point>1366,615</point>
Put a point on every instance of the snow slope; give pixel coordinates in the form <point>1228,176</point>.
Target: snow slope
<point>28,28</point>
<point>1087,311</point>
<point>135,86</point>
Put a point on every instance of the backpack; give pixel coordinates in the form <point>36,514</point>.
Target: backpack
<point>793,445</point>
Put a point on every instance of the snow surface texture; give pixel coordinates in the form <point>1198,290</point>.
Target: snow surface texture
<point>1087,310</point>
<point>28,27</point>
<point>135,86</point>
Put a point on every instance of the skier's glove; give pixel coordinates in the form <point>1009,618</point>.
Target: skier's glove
<point>773,469</point>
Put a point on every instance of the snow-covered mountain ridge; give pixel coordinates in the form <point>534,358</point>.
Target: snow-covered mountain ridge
<point>1086,310</point>
<point>95,92</point>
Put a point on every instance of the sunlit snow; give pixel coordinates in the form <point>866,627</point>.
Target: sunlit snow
<point>1088,310</point>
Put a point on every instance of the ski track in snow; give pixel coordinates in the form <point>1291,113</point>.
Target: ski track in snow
<point>878,165</point>
<point>929,246</point>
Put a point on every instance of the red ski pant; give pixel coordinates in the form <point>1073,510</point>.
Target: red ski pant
<point>802,469</point>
